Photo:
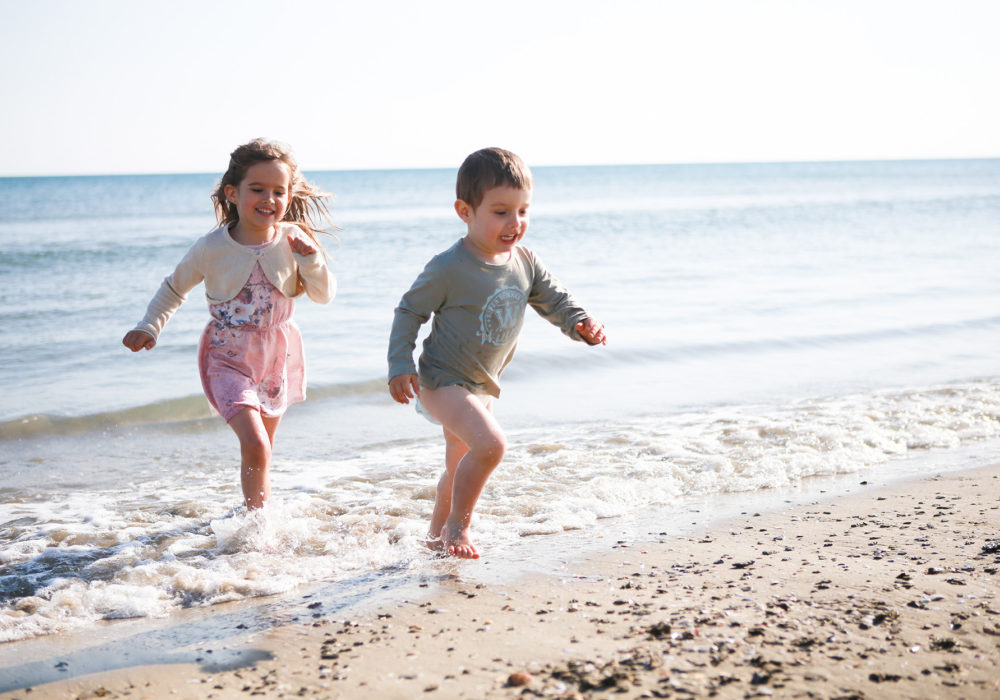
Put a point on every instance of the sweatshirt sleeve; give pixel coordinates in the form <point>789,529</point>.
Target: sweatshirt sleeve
<point>426,296</point>
<point>172,293</point>
<point>553,302</point>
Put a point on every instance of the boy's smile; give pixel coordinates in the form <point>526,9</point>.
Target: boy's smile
<point>497,224</point>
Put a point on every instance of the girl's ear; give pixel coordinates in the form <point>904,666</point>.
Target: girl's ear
<point>231,191</point>
<point>463,210</point>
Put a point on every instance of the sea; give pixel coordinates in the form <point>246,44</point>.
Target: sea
<point>776,333</point>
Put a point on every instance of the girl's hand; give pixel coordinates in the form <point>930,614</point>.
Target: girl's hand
<point>592,331</point>
<point>138,340</point>
<point>404,387</point>
<point>301,246</point>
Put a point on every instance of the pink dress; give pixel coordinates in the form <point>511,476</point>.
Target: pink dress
<point>251,354</point>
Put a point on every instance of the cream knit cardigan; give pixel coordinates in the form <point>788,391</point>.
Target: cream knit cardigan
<point>224,266</point>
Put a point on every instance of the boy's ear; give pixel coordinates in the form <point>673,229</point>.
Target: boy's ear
<point>463,210</point>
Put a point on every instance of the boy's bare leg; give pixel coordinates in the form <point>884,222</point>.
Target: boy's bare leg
<point>454,450</point>
<point>469,418</point>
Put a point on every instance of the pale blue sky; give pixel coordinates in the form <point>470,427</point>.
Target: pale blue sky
<point>125,86</point>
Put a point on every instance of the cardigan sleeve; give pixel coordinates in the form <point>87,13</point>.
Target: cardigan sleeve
<point>173,292</point>
<point>315,277</point>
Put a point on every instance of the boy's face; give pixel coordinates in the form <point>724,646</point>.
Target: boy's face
<point>498,223</point>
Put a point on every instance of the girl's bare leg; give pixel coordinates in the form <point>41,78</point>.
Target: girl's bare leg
<point>469,418</point>
<point>256,435</point>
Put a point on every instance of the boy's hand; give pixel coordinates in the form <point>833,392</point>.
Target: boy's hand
<point>404,387</point>
<point>138,340</point>
<point>592,332</point>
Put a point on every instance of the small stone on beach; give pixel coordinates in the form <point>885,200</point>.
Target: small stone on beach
<point>519,679</point>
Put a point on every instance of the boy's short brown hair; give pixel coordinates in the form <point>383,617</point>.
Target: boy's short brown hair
<point>488,168</point>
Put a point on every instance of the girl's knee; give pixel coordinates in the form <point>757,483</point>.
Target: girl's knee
<point>256,449</point>
<point>255,439</point>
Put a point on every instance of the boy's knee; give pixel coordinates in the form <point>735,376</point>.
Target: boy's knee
<point>452,441</point>
<point>493,449</point>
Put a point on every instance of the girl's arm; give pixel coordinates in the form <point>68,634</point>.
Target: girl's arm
<point>138,340</point>
<point>168,298</point>
<point>319,283</point>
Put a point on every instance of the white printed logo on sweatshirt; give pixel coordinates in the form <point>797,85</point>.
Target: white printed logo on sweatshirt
<point>501,316</point>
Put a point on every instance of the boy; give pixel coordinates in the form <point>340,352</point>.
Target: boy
<point>477,291</point>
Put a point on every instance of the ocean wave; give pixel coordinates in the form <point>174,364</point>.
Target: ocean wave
<point>636,355</point>
<point>192,409</point>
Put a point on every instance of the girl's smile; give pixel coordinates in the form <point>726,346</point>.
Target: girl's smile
<point>261,200</point>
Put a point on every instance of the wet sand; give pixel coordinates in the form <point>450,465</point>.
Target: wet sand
<point>890,592</point>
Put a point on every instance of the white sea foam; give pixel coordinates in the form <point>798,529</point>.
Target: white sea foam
<point>329,521</point>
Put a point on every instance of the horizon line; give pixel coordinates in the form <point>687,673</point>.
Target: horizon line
<point>804,161</point>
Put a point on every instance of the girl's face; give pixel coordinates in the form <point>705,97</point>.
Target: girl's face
<point>497,224</point>
<point>261,198</point>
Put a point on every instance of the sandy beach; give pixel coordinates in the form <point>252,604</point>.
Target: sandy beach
<point>889,592</point>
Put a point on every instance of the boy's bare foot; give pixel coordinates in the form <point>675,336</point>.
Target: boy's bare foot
<point>433,543</point>
<point>456,541</point>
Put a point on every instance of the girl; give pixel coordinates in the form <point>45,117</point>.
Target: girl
<point>253,265</point>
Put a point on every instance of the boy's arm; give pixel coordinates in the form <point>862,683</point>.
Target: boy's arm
<point>404,387</point>
<point>403,381</point>
<point>403,339</point>
<point>554,303</point>
<point>592,331</point>
<point>415,308</point>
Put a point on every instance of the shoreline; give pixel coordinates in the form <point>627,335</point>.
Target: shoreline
<point>891,592</point>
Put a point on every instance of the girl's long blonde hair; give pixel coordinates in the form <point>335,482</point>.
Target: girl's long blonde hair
<point>307,207</point>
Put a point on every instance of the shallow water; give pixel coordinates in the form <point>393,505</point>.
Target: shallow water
<point>770,325</point>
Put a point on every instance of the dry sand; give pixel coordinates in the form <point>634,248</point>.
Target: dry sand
<point>892,593</point>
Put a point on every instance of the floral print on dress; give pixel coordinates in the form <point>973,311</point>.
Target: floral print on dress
<point>251,352</point>
<point>252,307</point>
